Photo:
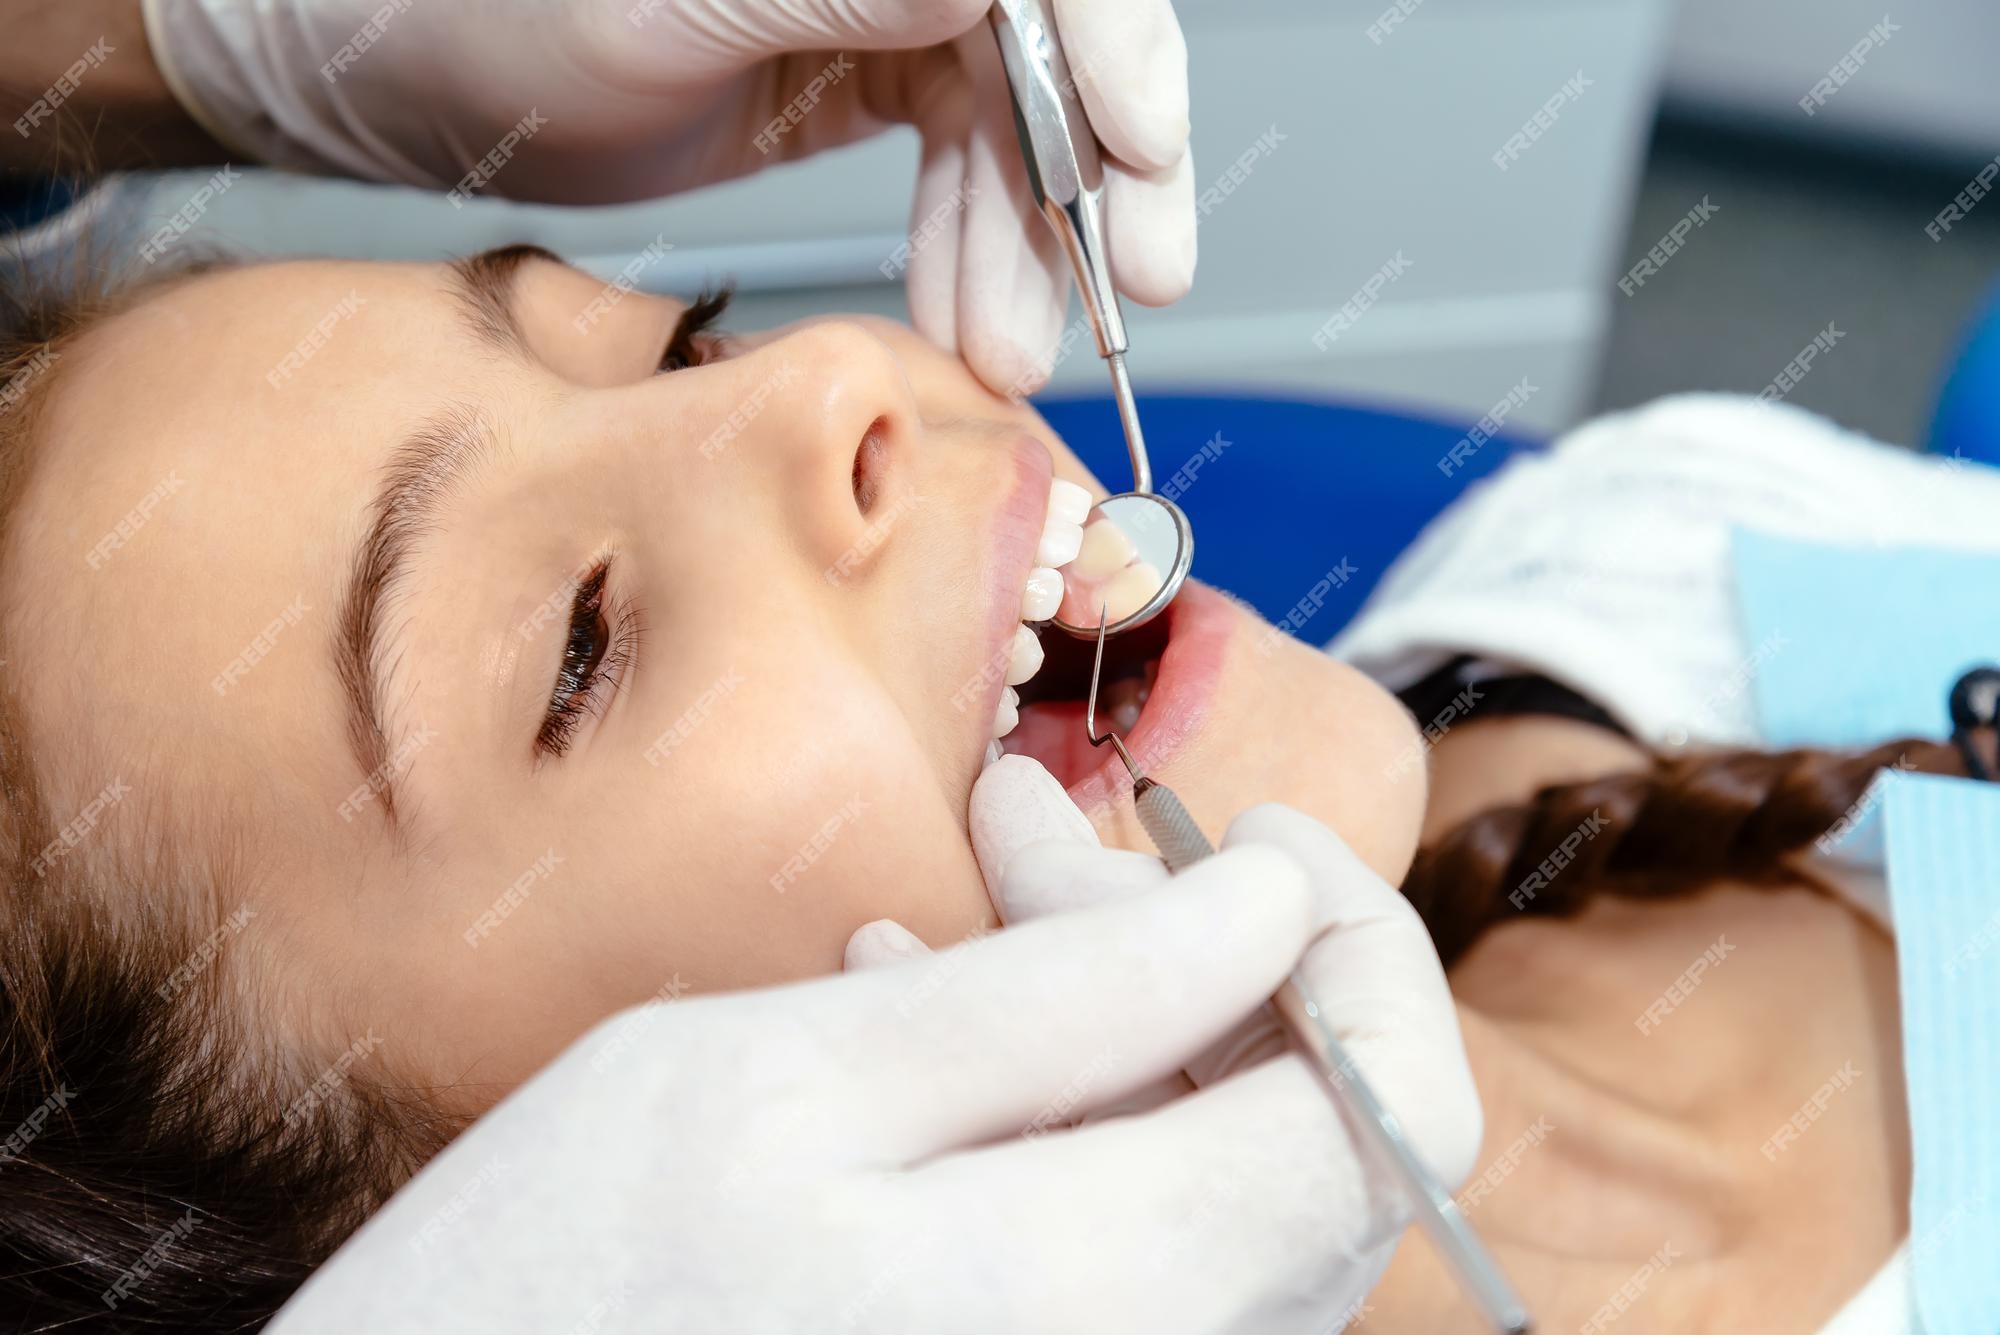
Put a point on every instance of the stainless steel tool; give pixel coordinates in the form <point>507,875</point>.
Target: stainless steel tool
<point>1182,844</point>
<point>1066,175</point>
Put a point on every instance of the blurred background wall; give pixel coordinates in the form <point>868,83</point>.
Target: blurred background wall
<point>1384,133</point>
<point>1820,218</point>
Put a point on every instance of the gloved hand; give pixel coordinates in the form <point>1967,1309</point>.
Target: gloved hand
<point>1374,973</point>
<point>884,1149</point>
<point>592,101</point>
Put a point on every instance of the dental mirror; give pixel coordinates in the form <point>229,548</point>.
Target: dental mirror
<point>1137,547</point>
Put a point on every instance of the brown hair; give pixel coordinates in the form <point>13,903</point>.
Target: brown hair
<point>166,1161</point>
<point>1650,832</point>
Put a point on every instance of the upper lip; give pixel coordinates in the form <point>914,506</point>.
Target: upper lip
<point>1017,529</point>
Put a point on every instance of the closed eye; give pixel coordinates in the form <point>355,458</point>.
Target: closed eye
<point>597,656</point>
<point>597,652</point>
<point>692,343</point>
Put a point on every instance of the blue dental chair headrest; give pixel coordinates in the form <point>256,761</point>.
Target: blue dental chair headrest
<point>1966,421</point>
<point>1281,491</point>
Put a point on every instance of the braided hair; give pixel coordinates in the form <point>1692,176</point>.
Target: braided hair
<point>1653,832</point>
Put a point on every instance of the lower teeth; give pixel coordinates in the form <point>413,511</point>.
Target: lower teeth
<point>1123,699</point>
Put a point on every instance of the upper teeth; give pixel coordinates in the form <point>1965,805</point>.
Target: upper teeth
<point>1068,502</point>
<point>1105,551</point>
<point>1024,655</point>
<point>1043,595</point>
<point>1123,594</point>
<point>1061,540</point>
<point>1107,578</point>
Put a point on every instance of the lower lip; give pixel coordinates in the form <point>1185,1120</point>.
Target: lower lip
<point>1199,624</point>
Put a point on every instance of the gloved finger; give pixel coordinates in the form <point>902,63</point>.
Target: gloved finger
<point>1129,63</point>
<point>1058,877</point>
<point>1013,279</point>
<point>942,112</point>
<point>1376,977</point>
<point>1016,802</point>
<point>1065,874</point>
<point>883,941</point>
<point>810,25</point>
<point>1149,230</point>
<point>1054,877</point>
<point>925,1058</point>
<point>1193,1216</point>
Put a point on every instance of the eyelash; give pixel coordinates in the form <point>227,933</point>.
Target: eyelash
<point>598,650</point>
<point>692,343</point>
<point>597,653</point>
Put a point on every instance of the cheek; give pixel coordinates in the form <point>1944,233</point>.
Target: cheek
<point>1348,753</point>
<point>1298,727</point>
<point>813,811</point>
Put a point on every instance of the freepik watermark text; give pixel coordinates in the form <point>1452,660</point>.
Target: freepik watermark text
<point>1294,621</point>
<point>1357,305</point>
<point>496,157</point>
<point>135,519</point>
<point>384,776</point>
<point>1797,368</point>
<point>64,87</point>
<point>182,220</point>
<point>627,279</point>
<point>1563,854</point>
<point>747,411</point>
<point>369,33</point>
<point>1962,203</point>
<point>813,849</point>
<point>1485,428</point>
<point>254,652</point>
<point>1682,987</point>
<point>930,229</point>
<point>306,348</point>
<point>1667,246</point>
<point>693,717</point>
<point>800,107</point>
<point>1849,65</point>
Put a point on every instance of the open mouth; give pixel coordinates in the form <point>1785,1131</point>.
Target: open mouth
<point>1157,679</point>
<point>1154,693</point>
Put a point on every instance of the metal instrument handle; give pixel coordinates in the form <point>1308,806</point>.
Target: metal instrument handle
<point>1182,844</point>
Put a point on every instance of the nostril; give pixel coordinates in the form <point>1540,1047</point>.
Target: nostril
<point>870,459</point>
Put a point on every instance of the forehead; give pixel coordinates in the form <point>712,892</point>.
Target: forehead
<point>309,354</point>
<point>248,380</point>
<point>199,481</point>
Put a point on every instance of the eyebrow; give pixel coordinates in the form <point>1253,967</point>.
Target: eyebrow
<point>484,287</point>
<point>424,472</point>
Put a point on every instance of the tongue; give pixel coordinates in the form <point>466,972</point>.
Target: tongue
<point>1052,732</point>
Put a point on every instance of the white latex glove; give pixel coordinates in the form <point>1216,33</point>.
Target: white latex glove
<point>883,1150</point>
<point>1374,973</point>
<point>595,101</point>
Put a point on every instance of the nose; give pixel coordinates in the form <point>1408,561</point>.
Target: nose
<point>821,419</point>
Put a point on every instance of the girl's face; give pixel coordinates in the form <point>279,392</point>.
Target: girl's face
<point>512,678</point>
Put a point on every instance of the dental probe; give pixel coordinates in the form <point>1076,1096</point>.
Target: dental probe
<point>1182,844</point>
<point>1067,178</point>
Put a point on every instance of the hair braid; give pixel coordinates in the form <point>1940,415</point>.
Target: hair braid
<point>1655,831</point>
